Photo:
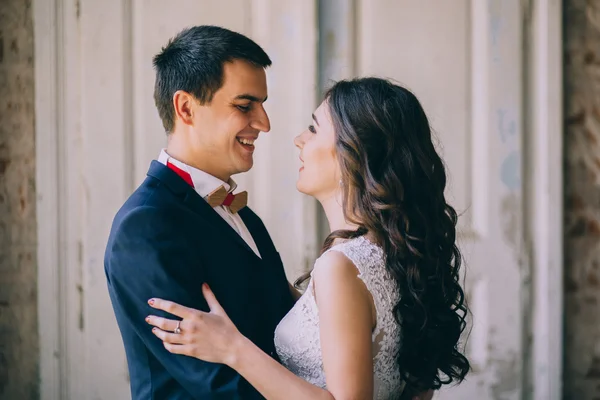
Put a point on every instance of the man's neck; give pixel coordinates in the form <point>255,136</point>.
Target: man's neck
<point>183,155</point>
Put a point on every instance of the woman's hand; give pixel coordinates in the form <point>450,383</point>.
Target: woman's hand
<point>207,336</point>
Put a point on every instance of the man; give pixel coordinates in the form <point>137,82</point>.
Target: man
<point>185,226</point>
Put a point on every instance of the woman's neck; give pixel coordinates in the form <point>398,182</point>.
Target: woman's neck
<point>335,214</point>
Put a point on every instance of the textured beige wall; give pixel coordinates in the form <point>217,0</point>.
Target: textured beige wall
<point>18,271</point>
<point>582,194</point>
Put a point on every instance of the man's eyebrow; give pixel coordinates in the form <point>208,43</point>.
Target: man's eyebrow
<point>251,98</point>
<point>315,119</point>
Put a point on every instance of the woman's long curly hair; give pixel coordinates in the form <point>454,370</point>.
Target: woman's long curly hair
<point>393,188</point>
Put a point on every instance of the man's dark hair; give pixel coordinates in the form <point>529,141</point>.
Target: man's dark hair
<point>193,62</point>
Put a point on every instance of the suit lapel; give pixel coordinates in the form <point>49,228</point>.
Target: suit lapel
<point>201,207</point>
<point>257,231</point>
<point>195,203</point>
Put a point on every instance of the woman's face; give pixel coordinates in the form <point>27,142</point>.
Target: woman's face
<point>320,173</point>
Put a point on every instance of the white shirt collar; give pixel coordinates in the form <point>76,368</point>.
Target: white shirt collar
<point>204,183</point>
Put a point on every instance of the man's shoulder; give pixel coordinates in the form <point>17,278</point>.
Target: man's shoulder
<point>150,211</point>
<point>153,200</point>
<point>145,232</point>
<point>139,204</point>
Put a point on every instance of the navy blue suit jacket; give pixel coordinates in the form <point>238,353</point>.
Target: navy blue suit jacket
<point>165,242</point>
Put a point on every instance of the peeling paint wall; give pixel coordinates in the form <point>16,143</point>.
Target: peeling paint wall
<point>582,199</point>
<point>19,352</point>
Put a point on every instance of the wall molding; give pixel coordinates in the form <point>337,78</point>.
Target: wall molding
<point>47,125</point>
<point>546,197</point>
<point>60,297</point>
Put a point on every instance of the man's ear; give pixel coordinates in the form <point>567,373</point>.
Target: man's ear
<point>183,103</point>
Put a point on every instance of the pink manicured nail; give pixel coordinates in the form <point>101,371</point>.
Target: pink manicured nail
<point>151,302</point>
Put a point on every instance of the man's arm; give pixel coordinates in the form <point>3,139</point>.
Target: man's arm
<point>150,259</point>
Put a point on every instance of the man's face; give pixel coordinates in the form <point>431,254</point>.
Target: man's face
<point>225,129</point>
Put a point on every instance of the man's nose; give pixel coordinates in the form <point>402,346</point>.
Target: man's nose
<point>261,120</point>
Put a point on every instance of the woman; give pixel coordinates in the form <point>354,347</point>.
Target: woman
<point>384,310</point>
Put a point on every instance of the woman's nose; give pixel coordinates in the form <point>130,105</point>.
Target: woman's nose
<point>300,139</point>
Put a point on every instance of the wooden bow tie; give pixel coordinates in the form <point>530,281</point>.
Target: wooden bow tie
<point>235,202</point>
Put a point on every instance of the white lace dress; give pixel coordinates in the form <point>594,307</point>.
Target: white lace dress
<point>297,335</point>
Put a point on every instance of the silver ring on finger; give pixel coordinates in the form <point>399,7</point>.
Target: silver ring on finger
<point>177,330</point>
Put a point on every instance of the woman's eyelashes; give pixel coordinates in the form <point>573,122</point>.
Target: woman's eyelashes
<point>312,129</point>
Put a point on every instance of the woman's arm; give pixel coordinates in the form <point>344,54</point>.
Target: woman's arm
<point>345,328</point>
<point>214,338</point>
<point>270,378</point>
<point>345,316</point>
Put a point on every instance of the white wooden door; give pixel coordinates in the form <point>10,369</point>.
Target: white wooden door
<point>463,61</point>
<point>97,131</point>
<point>105,128</point>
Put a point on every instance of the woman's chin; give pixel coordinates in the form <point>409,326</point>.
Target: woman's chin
<point>301,187</point>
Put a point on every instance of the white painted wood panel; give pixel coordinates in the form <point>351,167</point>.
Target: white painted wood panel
<point>545,200</point>
<point>463,61</point>
<point>97,130</point>
<point>107,131</point>
<point>287,31</point>
<point>105,182</point>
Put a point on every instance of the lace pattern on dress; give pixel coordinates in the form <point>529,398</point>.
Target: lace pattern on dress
<point>297,335</point>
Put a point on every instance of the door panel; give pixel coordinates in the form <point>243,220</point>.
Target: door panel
<point>462,59</point>
<point>121,133</point>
